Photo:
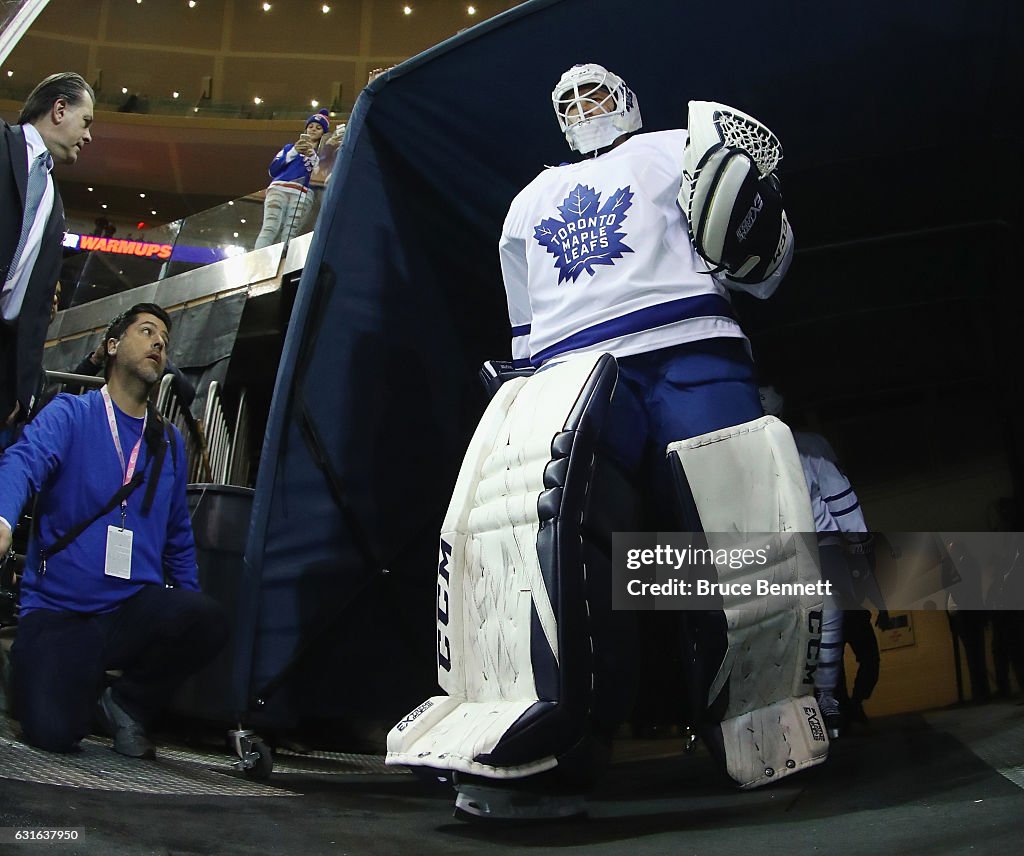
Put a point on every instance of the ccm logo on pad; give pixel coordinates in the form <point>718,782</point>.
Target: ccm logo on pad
<point>444,647</point>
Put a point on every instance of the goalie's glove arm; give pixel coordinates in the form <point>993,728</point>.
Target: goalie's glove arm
<point>732,199</point>
<point>766,288</point>
<point>737,222</point>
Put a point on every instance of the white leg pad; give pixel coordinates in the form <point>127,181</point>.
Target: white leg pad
<point>499,620</point>
<point>774,741</point>
<point>452,733</point>
<point>748,479</point>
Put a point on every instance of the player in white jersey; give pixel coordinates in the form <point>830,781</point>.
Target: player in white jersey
<point>842,529</point>
<point>598,256</point>
<point>837,515</point>
<point>629,253</point>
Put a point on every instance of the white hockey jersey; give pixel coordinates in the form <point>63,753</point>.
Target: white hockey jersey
<point>834,503</point>
<point>596,255</point>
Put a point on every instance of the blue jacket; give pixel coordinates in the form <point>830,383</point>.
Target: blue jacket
<point>67,455</point>
<point>289,165</point>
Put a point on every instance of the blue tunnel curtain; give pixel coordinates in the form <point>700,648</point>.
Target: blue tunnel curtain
<point>877,105</point>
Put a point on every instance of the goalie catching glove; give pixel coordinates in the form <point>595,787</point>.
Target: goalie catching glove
<point>732,198</point>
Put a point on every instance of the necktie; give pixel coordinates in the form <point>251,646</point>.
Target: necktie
<point>34,189</point>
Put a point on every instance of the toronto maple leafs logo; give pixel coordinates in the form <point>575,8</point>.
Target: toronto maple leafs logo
<point>588,232</point>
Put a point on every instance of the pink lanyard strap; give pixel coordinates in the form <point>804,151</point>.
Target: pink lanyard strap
<point>133,459</point>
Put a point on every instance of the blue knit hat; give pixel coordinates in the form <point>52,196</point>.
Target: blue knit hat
<point>320,117</point>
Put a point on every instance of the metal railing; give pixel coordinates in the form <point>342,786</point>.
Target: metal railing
<point>238,471</point>
<point>218,435</point>
<point>170,407</point>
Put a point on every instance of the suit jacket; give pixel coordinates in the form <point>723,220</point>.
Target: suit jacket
<point>21,344</point>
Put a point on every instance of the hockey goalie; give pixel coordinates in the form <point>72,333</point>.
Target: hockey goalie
<point>631,403</point>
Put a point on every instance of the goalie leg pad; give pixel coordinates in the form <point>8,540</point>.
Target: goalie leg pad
<point>522,585</point>
<point>748,480</point>
<point>793,729</point>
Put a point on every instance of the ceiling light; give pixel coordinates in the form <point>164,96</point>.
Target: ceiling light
<point>234,234</point>
<point>407,10</point>
<point>191,4</point>
<point>153,213</point>
<point>325,8</point>
<point>104,206</point>
<point>242,220</point>
<point>124,90</point>
<point>471,10</point>
<point>90,190</point>
<point>175,94</point>
<point>314,103</point>
<point>266,7</point>
<point>231,203</point>
<point>257,100</point>
<point>142,196</point>
<point>10,73</point>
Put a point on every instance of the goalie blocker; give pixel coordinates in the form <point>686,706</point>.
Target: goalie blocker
<point>732,197</point>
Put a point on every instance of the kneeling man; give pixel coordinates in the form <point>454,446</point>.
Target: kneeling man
<point>110,580</point>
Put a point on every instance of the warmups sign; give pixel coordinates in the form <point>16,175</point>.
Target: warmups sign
<point>145,249</point>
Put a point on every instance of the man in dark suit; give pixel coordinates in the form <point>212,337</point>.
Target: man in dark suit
<point>53,128</point>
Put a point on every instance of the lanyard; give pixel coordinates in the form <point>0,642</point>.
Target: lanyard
<point>128,470</point>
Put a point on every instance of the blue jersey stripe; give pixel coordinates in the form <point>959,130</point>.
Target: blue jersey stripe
<point>846,492</point>
<point>698,306</point>
<point>853,507</point>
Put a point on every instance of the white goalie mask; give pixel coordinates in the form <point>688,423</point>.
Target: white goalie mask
<point>594,107</point>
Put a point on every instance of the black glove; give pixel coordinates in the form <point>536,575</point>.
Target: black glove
<point>494,373</point>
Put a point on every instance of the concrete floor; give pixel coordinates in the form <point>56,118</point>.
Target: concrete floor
<point>946,782</point>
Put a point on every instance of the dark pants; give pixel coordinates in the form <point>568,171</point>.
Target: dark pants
<point>968,625</point>
<point>8,385</point>
<point>157,638</point>
<point>673,394</point>
<point>1008,647</point>
<point>859,634</point>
